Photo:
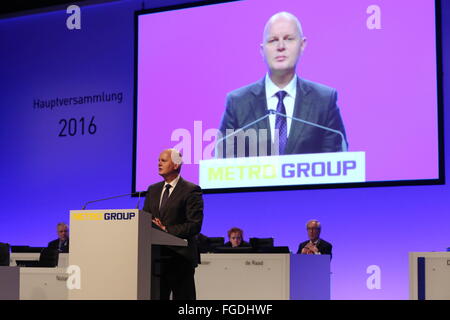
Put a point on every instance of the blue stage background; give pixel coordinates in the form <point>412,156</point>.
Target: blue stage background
<point>43,176</point>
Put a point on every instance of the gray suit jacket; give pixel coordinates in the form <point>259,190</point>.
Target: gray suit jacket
<point>314,102</point>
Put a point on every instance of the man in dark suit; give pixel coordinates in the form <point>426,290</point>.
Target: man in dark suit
<point>62,243</point>
<point>281,90</point>
<point>176,206</point>
<point>314,245</point>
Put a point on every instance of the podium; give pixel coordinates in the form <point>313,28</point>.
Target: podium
<point>110,254</point>
<point>310,277</point>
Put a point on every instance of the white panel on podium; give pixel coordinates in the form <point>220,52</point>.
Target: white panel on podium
<point>104,244</point>
<point>112,248</point>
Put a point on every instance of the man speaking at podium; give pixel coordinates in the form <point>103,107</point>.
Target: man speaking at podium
<point>176,206</point>
<point>282,91</point>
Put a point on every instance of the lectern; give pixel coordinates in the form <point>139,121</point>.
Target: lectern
<point>111,253</point>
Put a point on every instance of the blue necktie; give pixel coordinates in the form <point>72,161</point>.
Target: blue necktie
<point>280,122</point>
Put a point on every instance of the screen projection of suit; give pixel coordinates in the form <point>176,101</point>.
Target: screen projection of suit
<point>367,75</point>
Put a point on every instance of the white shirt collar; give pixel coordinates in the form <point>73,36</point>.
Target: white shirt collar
<point>173,183</point>
<point>272,88</point>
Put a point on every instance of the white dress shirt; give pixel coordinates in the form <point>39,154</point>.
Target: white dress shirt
<point>272,101</point>
<point>173,183</point>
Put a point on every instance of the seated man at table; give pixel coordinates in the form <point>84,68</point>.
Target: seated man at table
<point>62,243</point>
<point>314,245</point>
<point>236,238</point>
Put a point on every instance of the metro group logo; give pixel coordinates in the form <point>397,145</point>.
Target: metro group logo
<point>254,171</point>
<point>113,216</point>
<point>297,169</point>
<point>288,170</point>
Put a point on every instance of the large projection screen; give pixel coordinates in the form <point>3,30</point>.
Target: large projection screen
<point>381,60</point>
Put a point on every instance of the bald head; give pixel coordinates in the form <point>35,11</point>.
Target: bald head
<point>283,44</point>
<point>283,16</point>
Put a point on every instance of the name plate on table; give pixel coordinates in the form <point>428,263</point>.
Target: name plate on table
<point>284,170</point>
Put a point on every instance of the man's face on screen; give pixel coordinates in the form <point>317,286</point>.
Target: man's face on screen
<point>282,45</point>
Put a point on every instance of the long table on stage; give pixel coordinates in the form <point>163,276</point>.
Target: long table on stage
<point>259,276</point>
<point>220,276</point>
<point>41,283</point>
<point>429,275</point>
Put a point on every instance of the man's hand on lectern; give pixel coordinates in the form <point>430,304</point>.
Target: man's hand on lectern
<point>159,224</point>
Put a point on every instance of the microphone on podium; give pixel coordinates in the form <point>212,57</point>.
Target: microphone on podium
<point>134,194</point>
<point>344,146</point>
<point>219,141</point>
<point>343,142</point>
